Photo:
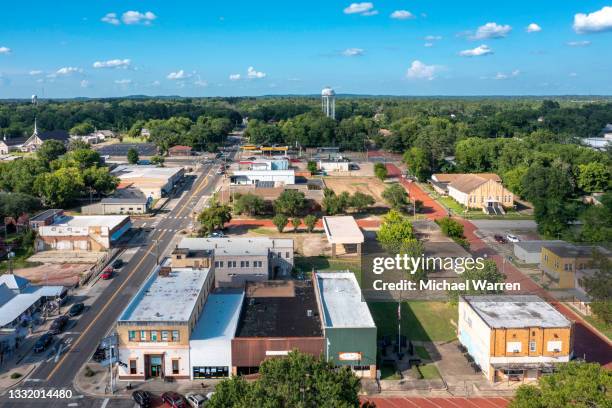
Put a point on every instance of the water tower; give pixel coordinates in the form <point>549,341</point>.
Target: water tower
<point>328,102</point>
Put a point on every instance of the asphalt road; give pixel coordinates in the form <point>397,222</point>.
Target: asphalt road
<point>97,321</point>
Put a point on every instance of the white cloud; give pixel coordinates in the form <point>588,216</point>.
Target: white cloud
<point>491,30</point>
<point>533,28</point>
<point>477,52</point>
<point>595,22</point>
<point>111,18</point>
<point>513,74</point>
<point>136,17</point>
<point>364,8</point>
<point>402,15</point>
<point>200,82</point>
<point>353,52</point>
<point>35,72</point>
<point>114,63</point>
<point>155,83</point>
<point>579,43</point>
<point>178,75</point>
<point>67,71</point>
<point>123,81</point>
<point>419,70</point>
<point>433,38</point>
<point>5,50</point>
<point>428,45</point>
<point>573,74</point>
<point>235,77</point>
<point>84,83</point>
<point>252,73</point>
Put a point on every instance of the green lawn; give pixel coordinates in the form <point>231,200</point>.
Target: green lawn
<point>600,325</point>
<point>421,320</point>
<point>19,261</point>
<point>387,372</point>
<point>127,139</point>
<point>429,371</point>
<point>305,264</point>
<point>421,352</point>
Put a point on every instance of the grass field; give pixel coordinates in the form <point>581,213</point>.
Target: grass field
<point>421,320</point>
<point>127,139</point>
<point>323,263</point>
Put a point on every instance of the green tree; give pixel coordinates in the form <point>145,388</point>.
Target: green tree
<point>99,180</point>
<point>597,221</point>
<point>450,227</point>
<point>418,163</point>
<point>77,144</point>
<point>280,221</point>
<point>335,204</point>
<point>573,384</point>
<point>249,204</point>
<point>594,177</point>
<point>82,129</point>
<point>298,380</point>
<point>132,156</point>
<point>599,287</point>
<point>395,232</point>
<point>310,221</point>
<point>15,204</point>
<point>59,188</point>
<point>360,201</point>
<point>290,202</point>
<point>81,158</point>
<point>396,196</point>
<point>158,160</point>
<point>296,222</point>
<point>380,171</point>
<point>213,218</point>
<point>312,166</point>
<point>50,150</point>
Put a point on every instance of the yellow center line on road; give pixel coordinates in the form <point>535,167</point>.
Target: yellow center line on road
<point>203,183</point>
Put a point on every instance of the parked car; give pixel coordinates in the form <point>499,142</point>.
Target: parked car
<point>107,273</point>
<point>144,399</point>
<point>500,239</point>
<point>220,171</point>
<point>43,342</point>
<point>99,355</point>
<point>117,263</point>
<point>76,309</point>
<point>512,238</point>
<point>58,324</point>
<point>196,400</point>
<point>216,234</point>
<point>174,399</point>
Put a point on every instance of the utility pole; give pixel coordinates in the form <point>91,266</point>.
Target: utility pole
<point>156,251</point>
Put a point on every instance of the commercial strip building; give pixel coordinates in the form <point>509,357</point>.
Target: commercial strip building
<point>344,231</point>
<point>111,206</point>
<point>565,264</point>
<point>155,328</point>
<point>530,252</point>
<point>238,260</point>
<point>86,233</point>
<point>514,337</point>
<point>278,177</point>
<point>150,181</point>
<point>334,165</point>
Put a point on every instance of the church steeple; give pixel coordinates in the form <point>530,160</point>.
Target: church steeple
<point>35,128</point>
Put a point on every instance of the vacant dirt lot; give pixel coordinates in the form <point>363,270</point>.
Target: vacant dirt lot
<point>54,274</point>
<point>366,185</point>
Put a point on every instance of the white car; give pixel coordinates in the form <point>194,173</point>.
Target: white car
<point>512,238</point>
<point>196,400</point>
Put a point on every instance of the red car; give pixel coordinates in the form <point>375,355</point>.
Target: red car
<point>174,399</point>
<point>107,273</point>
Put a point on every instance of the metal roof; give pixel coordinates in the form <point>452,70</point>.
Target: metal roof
<point>341,301</point>
<point>342,230</point>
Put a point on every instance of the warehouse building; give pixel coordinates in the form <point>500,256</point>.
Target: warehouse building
<point>151,181</point>
<point>86,233</point>
<point>278,177</point>
<point>111,206</point>
<point>514,337</point>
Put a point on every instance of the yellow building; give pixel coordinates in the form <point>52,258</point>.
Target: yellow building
<point>474,191</point>
<point>565,263</point>
<point>514,337</point>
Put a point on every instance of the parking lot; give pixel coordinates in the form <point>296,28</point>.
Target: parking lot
<point>121,149</point>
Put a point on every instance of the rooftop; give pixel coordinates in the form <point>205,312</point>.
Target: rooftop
<point>43,215</point>
<point>14,304</point>
<point>85,221</point>
<point>341,300</point>
<point>123,200</point>
<point>274,309</point>
<point>467,182</point>
<point>342,229</point>
<point>236,246</point>
<point>450,177</point>
<point>131,171</point>
<point>567,250</point>
<point>515,311</point>
<point>169,298</point>
<point>219,319</point>
<point>536,245</point>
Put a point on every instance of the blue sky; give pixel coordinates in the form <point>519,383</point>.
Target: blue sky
<point>209,48</point>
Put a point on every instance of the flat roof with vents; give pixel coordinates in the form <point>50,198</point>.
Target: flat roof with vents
<point>342,229</point>
<point>516,311</point>
<point>170,298</point>
<point>237,246</point>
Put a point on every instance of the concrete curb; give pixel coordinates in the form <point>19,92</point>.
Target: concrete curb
<point>22,379</point>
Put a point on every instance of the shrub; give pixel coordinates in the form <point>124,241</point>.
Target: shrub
<point>15,376</point>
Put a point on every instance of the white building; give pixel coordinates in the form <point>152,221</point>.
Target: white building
<point>333,166</point>
<point>151,181</point>
<point>211,341</point>
<point>85,232</point>
<point>278,177</point>
<point>530,251</point>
